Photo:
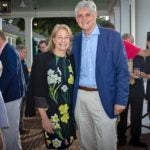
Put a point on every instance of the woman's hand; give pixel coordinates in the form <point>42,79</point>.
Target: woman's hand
<point>46,122</point>
<point>47,125</point>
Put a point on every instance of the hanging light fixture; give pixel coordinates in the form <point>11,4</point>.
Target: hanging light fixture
<point>5,6</point>
<point>22,4</point>
<point>35,20</point>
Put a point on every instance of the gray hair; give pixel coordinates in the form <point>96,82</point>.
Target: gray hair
<point>85,4</point>
<point>128,36</point>
<point>20,47</point>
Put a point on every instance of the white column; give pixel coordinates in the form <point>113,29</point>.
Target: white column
<point>117,18</point>
<point>142,21</point>
<point>132,5</point>
<point>0,23</point>
<point>125,16</point>
<point>28,40</point>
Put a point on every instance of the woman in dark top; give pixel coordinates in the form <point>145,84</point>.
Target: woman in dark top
<point>146,74</point>
<point>52,80</point>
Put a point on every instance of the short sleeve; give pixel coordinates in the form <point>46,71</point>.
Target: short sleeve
<point>131,50</point>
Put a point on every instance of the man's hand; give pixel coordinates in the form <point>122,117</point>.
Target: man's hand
<point>118,109</point>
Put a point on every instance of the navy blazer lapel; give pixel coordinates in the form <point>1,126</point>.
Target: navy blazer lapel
<point>3,51</point>
<point>77,52</point>
<point>80,49</point>
<point>100,47</point>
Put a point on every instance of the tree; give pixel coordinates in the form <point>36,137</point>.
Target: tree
<point>19,41</point>
<point>105,23</point>
<point>44,26</point>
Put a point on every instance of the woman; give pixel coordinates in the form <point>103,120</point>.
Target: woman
<point>52,78</point>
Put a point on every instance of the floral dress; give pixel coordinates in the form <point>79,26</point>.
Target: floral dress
<point>60,79</point>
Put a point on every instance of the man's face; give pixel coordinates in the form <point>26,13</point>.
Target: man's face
<point>43,47</point>
<point>23,53</point>
<point>86,19</point>
<point>1,42</point>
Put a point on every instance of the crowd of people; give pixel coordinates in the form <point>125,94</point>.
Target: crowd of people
<point>82,82</point>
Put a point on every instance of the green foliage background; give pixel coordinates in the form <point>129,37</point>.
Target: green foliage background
<point>45,25</point>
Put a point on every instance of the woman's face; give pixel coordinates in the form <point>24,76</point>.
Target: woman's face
<point>61,41</point>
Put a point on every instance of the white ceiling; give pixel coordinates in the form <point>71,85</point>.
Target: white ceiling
<point>52,7</point>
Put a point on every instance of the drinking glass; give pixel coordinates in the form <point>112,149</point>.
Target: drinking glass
<point>137,72</point>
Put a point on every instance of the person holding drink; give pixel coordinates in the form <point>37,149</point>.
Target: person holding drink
<point>135,99</point>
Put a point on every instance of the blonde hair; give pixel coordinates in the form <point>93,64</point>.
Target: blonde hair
<point>57,27</point>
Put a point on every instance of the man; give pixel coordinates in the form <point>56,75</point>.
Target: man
<point>42,46</point>
<point>12,88</point>
<point>3,114</point>
<point>102,80</point>
<point>23,53</point>
<point>133,50</point>
<point>3,119</point>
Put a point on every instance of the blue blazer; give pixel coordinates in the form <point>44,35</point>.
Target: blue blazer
<point>12,82</point>
<point>112,76</point>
